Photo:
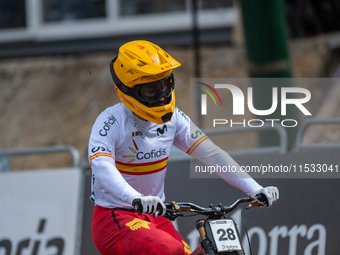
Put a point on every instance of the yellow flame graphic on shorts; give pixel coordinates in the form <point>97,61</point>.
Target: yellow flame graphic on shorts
<point>186,248</point>
<point>137,224</point>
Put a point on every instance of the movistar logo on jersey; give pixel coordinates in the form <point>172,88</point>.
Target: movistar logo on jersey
<point>160,131</point>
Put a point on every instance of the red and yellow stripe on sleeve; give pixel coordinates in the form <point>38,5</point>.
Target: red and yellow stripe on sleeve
<point>100,154</point>
<point>198,142</point>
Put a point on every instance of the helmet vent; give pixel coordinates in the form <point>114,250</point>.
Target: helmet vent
<point>166,54</point>
<point>155,47</point>
<point>167,117</point>
<point>162,59</point>
<point>140,64</point>
<point>132,72</point>
<point>129,55</point>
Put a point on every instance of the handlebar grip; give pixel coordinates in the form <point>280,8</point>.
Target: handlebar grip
<point>262,198</point>
<point>159,209</point>
<point>137,204</point>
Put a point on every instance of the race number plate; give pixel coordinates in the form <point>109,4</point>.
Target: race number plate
<point>225,235</point>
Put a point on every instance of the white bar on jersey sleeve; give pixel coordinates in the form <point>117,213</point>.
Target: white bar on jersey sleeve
<point>211,155</point>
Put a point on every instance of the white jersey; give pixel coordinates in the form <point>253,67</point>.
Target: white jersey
<point>129,156</point>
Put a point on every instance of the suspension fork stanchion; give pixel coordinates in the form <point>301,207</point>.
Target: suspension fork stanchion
<point>206,244</point>
<point>201,229</point>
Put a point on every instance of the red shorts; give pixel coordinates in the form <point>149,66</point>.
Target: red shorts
<point>121,232</point>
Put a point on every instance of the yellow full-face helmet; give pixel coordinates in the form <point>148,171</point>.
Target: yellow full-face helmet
<point>142,74</point>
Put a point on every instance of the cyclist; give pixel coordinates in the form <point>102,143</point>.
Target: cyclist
<point>129,147</point>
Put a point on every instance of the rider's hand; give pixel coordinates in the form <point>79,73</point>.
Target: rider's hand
<point>149,204</point>
<point>271,193</point>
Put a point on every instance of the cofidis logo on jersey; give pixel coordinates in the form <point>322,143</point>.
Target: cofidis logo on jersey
<point>238,107</point>
<point>139,155</point>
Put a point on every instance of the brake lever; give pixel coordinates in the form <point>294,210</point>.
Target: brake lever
<point>172,215</point>
<point>255,202</point>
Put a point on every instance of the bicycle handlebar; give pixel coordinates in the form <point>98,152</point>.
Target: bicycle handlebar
<point>259,200</point>
<point>174,209</point>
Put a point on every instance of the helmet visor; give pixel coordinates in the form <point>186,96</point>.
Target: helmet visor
<point>154,91</point>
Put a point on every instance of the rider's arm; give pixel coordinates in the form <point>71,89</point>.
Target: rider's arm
<point>107,180</point>
<point>190,139</point>
<point>211,155</point>
<point>110,179</point>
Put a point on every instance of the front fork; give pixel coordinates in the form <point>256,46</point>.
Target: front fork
<point>206,247</point>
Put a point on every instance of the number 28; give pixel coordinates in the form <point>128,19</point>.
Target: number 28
<point>227,234</point>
